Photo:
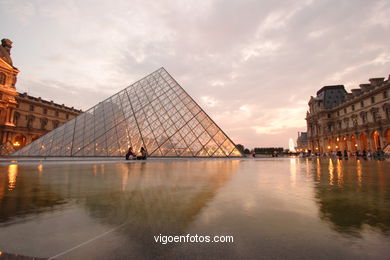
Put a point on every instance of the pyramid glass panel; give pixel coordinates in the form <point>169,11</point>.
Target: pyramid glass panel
<point>155,113</point>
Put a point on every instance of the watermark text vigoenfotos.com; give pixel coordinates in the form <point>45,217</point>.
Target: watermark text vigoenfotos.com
<point>164,239</point>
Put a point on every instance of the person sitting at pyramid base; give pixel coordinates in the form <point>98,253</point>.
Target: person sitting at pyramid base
<point>130,154</point>
<point>143,154</point>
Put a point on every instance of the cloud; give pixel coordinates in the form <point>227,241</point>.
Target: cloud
<point>252,65</point>
<point>209,101</point>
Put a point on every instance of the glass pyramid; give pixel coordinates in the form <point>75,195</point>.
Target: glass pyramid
<point>155,112</point>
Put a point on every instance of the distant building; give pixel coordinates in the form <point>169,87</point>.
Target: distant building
<point>24,118</point>
<point>302,142</point>
<point>356,122</point>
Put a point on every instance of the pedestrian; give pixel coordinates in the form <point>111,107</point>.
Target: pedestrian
<point>130,153</point>
<point>143,154</point>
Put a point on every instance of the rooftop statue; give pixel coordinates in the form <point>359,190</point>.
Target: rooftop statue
<point>5,50</point>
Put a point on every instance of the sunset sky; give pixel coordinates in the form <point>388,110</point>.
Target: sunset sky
<point>251,65</point>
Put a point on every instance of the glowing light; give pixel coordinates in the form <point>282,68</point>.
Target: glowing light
<point>293,172</point>
<point>12,173</point>
<point>355,145</point>
<point>316,148</point>
<point>16,144</point>
<point>338,139</point>
<point>359,172</point>
<point>329,147</point>
<point>337,146</point>
<point>291,145</point>
<point>331,172</point>
<point>339,173</point>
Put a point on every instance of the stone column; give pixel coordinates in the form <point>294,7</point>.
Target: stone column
<point>3,137</point>
<point>359,142</point>
<point>7,113</point>
<point>382,139</point>
<point>11,117</point>
<point>324,145</point>
<point>369,141</point>
<point>349,143</point>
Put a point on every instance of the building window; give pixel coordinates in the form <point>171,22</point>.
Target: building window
<point>375,116</point>
<point>372,100</point>
<point>354,119</point>
<point>345,110</point>
<point>388,112</point>
<point>329,115</point>
<point>30,121</point>
<point>14,81</point>
<point>364,118</point>
<point>16,117</point>
<point>353,107</point>
<point>346,122</point>
<point>57,113</point>
<point>55,124</point>
<point>45,111</point>
<point>385,94</point>
<point>31,108</point>
<point>2,78</point>
<point>338,113</point>
<point>362,103</point>
<point>67,116</point>
<point>43,123</point>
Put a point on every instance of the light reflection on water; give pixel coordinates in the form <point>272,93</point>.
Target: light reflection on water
<point>12,173</point>
<point>337,205</point>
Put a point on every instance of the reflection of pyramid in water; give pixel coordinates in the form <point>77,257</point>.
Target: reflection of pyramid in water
<point>154,112</point>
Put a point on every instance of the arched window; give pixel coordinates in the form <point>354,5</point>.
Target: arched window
<point>2,78</point>
<point>43,123</point>
<point>16,117</point>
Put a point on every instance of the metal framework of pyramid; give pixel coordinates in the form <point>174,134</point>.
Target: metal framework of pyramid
<point>155,112</point>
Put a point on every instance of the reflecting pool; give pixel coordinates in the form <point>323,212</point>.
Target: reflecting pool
<point>273,208</point>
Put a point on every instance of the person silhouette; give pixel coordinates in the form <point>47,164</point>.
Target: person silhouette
<point>143,154</point>
<point>130,153</point>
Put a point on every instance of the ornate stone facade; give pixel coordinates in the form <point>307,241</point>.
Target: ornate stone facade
<point>302,142</point>
<point>356,122</point>
<point>24,118</point>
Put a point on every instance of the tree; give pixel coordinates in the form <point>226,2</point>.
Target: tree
<point>240,147</point>
<point>246,151</point>
<point>268,150</point>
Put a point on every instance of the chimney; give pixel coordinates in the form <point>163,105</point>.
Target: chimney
<point>365,87</point>
<point>356,92</point>
<point>376,81</point>
<point>349,96</point>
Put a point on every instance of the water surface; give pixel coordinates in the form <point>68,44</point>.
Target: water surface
<point>274,208</point>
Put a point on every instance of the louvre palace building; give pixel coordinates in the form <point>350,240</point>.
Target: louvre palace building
<point>24,118</point>
<point>354,122</point>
